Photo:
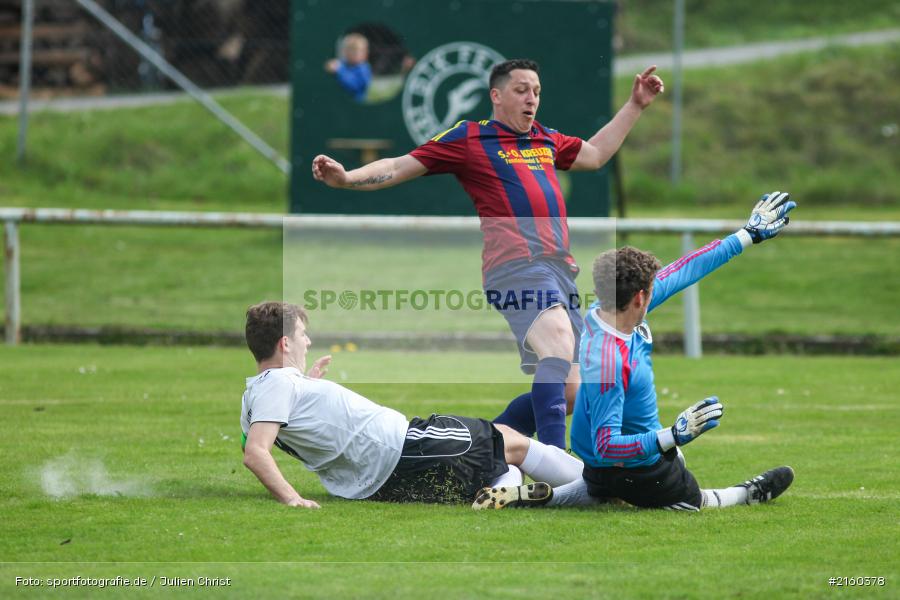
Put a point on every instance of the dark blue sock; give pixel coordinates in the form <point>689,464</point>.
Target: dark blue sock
<point>548,400</point>
<point>519,415</point>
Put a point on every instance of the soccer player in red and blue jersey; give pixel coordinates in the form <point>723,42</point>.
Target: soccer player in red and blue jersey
<point>508,166</point>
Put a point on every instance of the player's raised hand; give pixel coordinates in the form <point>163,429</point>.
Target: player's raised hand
<point>769,216</point>
<point>319,368</point>
<point>701,417</point>
<point>646,87</point>
<point>329,171</point>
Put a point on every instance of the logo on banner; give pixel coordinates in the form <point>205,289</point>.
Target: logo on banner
<point>447,85</point>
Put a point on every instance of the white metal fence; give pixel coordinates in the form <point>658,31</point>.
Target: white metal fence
<point>13,217</point>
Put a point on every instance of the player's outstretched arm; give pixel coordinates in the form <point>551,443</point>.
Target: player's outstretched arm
<point>693,421</point>
<point>258,458</point>
<point>597,151</point>
<point>377,175</point>
<point>768,218</point>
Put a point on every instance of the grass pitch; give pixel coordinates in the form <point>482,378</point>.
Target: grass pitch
<point>125,461</point>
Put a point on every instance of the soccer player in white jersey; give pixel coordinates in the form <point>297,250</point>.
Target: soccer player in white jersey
<point>628,454</point>
<point>361,450</point>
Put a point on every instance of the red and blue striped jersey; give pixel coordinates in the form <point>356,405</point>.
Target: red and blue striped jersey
<point>616,417</point>
<point>512,181</point>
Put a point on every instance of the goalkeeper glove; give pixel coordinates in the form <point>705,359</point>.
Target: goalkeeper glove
<point>769,216</point>
<point>701,417</point>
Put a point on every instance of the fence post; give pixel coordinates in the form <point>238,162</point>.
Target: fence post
<point>692,344</point>
<point>11,268</point>
<point>25,42</point>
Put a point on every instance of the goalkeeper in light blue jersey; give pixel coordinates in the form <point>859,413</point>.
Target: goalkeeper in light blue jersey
<point>628,454</point>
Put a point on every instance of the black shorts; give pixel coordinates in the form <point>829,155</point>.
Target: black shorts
<point>667,484</point>
<point>445,460</point>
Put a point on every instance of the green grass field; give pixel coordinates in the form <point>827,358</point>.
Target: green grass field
<point>821,125</point>
<point>646,25</point>
<point>141,447</point>
<point>125,461</point>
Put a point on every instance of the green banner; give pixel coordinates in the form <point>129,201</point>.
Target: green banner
<point>429,64</point>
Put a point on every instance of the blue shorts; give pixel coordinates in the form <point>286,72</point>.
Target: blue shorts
<point>521,290</point>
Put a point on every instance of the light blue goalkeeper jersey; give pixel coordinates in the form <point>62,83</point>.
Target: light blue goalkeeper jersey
<point>616,418</point>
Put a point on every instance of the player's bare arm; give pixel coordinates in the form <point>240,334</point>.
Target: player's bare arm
<point>377,175</point>
<point>258,458</point>
<point>606,142</point>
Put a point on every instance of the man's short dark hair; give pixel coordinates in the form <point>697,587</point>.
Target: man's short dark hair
<point>620,274</point>
<point>500,72</point>
<point>268,322</point>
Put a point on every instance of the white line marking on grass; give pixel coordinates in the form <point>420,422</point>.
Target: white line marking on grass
<point>737,438</point>
<point>852,495</point>
<point>839,407</point>
<point>29,402</point>
<point>855,407</point>
<point>404,404</point>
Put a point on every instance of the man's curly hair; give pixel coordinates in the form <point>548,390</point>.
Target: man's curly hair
<point>620,274</point>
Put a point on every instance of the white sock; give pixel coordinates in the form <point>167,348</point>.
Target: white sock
<point>574,493</point>
<point>550,464</point>
<point>721,498</point>
<point>512,478</point>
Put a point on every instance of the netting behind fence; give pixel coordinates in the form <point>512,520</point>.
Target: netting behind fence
<point>216,43</point>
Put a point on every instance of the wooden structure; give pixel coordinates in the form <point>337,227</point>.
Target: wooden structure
<point>66,59</point>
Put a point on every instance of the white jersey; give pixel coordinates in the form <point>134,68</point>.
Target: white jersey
<point>350,442</point>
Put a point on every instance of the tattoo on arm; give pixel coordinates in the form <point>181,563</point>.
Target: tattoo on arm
<point>374,179</point>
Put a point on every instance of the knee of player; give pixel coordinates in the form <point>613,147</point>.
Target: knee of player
<point>515,445</point>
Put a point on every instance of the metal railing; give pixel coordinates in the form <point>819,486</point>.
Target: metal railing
<point>13,217</point>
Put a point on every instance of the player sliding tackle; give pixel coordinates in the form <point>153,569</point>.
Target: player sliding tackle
<point>628,454</point>
<point>360,449</point>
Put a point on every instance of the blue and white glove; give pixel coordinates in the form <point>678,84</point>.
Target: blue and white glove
<point>701,417</point>
<point>769,216</point>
